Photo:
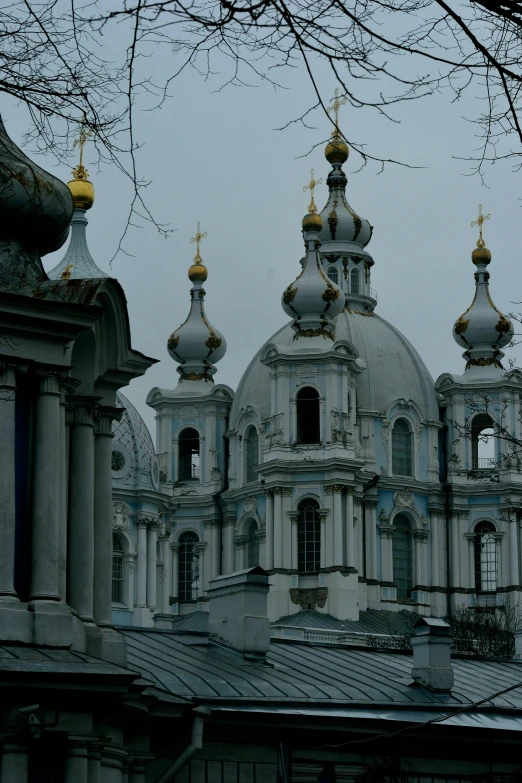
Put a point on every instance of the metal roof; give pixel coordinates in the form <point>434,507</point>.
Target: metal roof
<point>371,621</point>
<point>197,668</point>
<point>39,660</point>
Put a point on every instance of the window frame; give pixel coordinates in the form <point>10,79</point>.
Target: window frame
<point>406,593</point>
<point>393,451</point>
<point>305,536</point>
<point>355,275</point>
<point>333,269</point>
<point>297,429</point>
<point>195,471</point>
<point>252,533</point>
<point>183,583</point>
<point>483,575</point>
<point>120,600</point>
<point>250,477</point>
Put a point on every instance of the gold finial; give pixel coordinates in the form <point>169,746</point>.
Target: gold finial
<point>80,172</point>
<point>479,222</point>
<point>312,209</point>
<point>197,239</point>
<point>66,272</point>
<point>334,108</point>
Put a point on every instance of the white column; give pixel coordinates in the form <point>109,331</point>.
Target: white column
<point>323,514</point>
<point>514,574</point>
<point>46,490</point>
<point>471,560</point>
<point>269,526</point>
<point>141,576</point>
<point>371,540</point>
<point>7,479</point>
<point>358,534</point>
<point>166,585</point>
<point>228,545</point>
<point>130,572</point>
<point>350,554</point>
<point>14,763</point>
<point>80,576</point>
<point>286,494</point>
<point>203,579</point>
<point>103,514</point>
<point>214,549</point>
<point>420,538</point>
<point>436,521</point>
<point>455,550</point>
<point>64,487</point>
<point>174,548</point>
<point>278,527</point>
<point>77,764</point>
<point>152,538</point>
<point>386,532</point>
<point>294,517</point>
<point>338,559</point>
<point>241,545</point>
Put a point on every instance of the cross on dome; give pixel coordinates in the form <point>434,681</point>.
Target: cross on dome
<point>312,209</point>
<point>334,109</point>
<point>197,239</point>
<point>479,222</point>
<point>80,172</point>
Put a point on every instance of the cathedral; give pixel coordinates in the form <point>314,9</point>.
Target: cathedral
<point>338,464</point>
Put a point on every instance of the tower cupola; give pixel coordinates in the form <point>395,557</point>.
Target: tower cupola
<point>196,345</point>
<point>312,300</point>
<point>482,330</point>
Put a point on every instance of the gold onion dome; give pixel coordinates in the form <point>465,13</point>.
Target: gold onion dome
<point>481,255</point>
<point>198,272</point>
<point>312,222</point>
<point>336,151</point>
<point>81,189</point>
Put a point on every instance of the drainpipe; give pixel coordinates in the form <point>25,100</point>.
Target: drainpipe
<point>196,743</point>
<point>371,483</point>
<point>447,490</point>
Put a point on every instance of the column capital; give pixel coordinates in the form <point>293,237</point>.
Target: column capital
<point>83,409</point>
<point>174,545</point>
<point>371,504</point>
<point>285,491</point>
<point>51,379</point>
<point>8,372</point>
<point>229,521</point>
<point>420,535</point>
<point>104,415</point>
<point>332,489</point>
<point>294,515</point>
<point>241,540</point>
<point>141,522</point>
<point>323,513</point>
<point>387,531</point>
<point>436,511</point>
<point>470,537</point>
<point>201,546</point>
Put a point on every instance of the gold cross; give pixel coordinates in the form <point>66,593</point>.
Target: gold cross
<point>312,209</point>
<point>197,239</point>
<point>80,172</point>
<point>479,222</point>
<point>336,105</point>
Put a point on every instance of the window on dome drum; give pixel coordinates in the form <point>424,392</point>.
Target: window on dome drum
<point>485,547</point>
<point>253,545</point>
<point>251,441</point>
<point>117,570</point>
<point>402,462</point>
<point>308,537</point>
<point>188,567</point>
<point>482,443</point>
<point>117,461</point>
<point>402,557</point>
<point>188,455</point>
<point>308,418</point>
<point>355,282</point>
<point>333,275</point>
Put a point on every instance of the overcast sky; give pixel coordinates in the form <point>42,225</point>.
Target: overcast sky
<point>215,157</point>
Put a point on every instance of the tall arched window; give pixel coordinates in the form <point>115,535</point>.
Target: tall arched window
<point>188,454</point>
<point>402,557</point>
<point>355,282</point>
<point>402,449</point>
<point>308,537</point>
<point>333,274</point>
<point>308,419</point>
<point>117,570</point>
<point>188,567</point>
<point>482,442</point>
<point>485,557</point>
<point>252,545</point>
<point>251,442</point>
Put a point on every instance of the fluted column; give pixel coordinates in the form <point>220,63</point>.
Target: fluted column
<point>455,550</point>
<point>514,572</point>
<point>77,764</point>
<point>80,577</point>
<point>386,532</point>
<point>103,416</point>
<point>338,559</point>
<point>174,548</point>
<point>215,550</point>
<point>14,763</point>
<point>420,539</point>
<point>7,479</point>
<point>278,527</point>
<point>152,538</point>
<point>269,525</point>
<point>294,519</point>
<point>203,584</point>
<point>359,533</point>
<point>350,554</point>
<point>228,544</point>
<point>141,575</point>
<point>46,488</point>
<point>166,585</point>
<point>323,515</point>
<point>371,540</point>
<point>435,522</point>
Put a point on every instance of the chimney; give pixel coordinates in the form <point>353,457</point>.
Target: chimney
<point>237,605</point>
<point>431,644</point>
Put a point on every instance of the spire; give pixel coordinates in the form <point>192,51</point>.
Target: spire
<point>482,330</point>
<point>196,344</point>
<point>77,263</point>
<point>312,300</point>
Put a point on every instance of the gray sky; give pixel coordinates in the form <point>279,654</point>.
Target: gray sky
<point>215,157</point>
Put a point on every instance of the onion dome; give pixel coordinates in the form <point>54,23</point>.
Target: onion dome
<point>77,263</point>
<point>312,300</point>
<point>35,207</point>
<point>482,330</point>
<point>196,345</point>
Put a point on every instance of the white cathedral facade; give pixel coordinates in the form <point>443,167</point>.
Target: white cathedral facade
<point>338,464</point>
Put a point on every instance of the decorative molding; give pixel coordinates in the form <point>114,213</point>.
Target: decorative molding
<point>309,598</point>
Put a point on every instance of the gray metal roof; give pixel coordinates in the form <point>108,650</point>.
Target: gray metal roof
<point>38,660</point>
<point>299,673</point>
<point>371,621</point>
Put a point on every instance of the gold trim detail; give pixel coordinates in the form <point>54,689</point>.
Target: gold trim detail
<point>319,332</point>
<point>461,325</point>
<point>195,376</point>
<point>482,362</point>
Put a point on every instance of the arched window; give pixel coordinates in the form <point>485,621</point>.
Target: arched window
<point>117,570</point>
<point>402,449</point>
<point>333,274</point>
<point>188,454</point>
<point>251,442</point>
<point>308,416</point>
<point>188,567</point>
<point>253,545</point>
<point>485,557</point>
<point>482,443</point>
<point>402,557</point>
<point>308,537</point>
<point>355,282</point>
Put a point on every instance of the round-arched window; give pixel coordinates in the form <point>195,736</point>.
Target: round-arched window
<point>308,537</point>
<point>253,545</point>
<point>188,454</point>
<point>188,581</point>
<point>485,547</point>
<point>355,282</point>
<point>333,274</point>
<point>117,570</point>
<point>402,462</point>
<point>402,557</point>
<point>308,418</point>
<point>117,461</point>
